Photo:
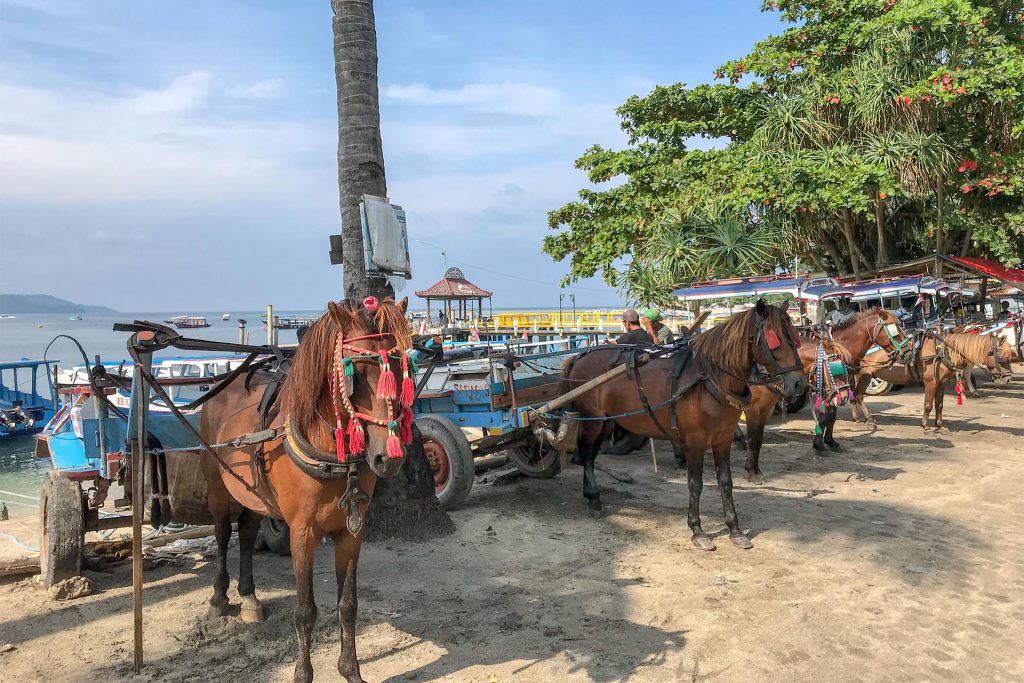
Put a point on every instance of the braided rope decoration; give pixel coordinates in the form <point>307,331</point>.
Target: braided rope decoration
<point>399,407</point>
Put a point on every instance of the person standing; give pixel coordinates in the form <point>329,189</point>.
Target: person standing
<point>842,313</point>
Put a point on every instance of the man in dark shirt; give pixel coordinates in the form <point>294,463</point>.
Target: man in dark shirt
<point>634,333</point>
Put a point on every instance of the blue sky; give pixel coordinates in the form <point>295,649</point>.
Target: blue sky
<point>168,156</point>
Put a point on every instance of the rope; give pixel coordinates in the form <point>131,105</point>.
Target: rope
<point>19,543</point>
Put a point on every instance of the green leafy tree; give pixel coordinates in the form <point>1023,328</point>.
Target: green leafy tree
<point>864,133</point>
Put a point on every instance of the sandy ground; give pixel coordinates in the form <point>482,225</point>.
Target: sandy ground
<point>898,559</point>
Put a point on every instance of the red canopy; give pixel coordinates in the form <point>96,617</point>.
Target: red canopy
<point>1013,276</point>
<point>453,285</point>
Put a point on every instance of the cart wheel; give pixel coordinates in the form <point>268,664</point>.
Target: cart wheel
<point>61,529</point>
<point>450,456</point>
<point>878,387</point>
<point>797,403</point>
<point>535,460</point>
<point>276,536</point>
<point>622,442</point>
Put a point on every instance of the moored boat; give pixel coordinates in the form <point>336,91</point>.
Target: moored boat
<point>23,408</point>
<point>187,322</point>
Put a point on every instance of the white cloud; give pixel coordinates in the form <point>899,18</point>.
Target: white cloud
<point>260,90</point>
<point>182,94</point>
<point>521,99</point>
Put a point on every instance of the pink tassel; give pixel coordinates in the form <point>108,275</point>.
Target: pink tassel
<point>356,436</point>
<point>394,446</point>
<point>370,303</point>
<point>339,443</point>
<point>386,387</point>
<point>406,425</point>
<point>817,403</point>
<point>959,399</point>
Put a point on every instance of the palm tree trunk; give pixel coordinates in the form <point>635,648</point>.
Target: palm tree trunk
<point>966,246</point>
<point>360,153</point>
<point>404,506</point>
<point>939,216</point>
<point>883,248</point>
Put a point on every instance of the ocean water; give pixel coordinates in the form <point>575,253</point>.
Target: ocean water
<point>27,336</point>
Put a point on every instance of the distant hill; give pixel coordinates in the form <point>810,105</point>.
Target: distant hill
<point>44,303</point>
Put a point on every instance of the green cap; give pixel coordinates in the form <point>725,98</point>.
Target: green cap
<point>652,314</point>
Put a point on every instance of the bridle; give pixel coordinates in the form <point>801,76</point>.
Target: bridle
<point>899,343</point>
<point>398,419</point>
<point>767,341</point>
<point>999,360</point>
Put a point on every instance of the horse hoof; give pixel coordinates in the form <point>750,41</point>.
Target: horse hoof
<point>756,477</point>
<point>741,541</point>
<point>703,542</point>
<point>596,513</point>
<point>834,446</point>
<point>251,612</point>
<point>217,611</point>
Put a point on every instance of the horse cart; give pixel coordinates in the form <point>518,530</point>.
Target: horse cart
<point>470,402</point>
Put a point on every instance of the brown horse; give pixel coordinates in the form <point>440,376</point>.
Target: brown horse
<point>303,475</point>
<point>939,359</point>
<point>852,339</point>
<point>697,410</point>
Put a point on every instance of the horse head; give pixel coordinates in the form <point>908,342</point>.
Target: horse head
<point>773,346</point>
<point>351,385</point>
<point>888,333</point>
<point>1000,367</point>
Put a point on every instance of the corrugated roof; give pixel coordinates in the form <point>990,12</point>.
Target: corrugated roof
<point>453,285</point>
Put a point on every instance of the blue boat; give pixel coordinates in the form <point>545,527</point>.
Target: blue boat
<point>23,409</point>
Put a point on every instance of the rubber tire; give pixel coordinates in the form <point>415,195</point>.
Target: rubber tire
<point>626,443</point>
<point>456,446</point>
<point>61,529</point>
<point>524,452</point>
<point>795,405</point>
<point>878,387</point>
<point>276,536</point>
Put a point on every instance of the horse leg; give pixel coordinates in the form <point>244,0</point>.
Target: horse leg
<point>819,433</point>
<point>248,526</point>
<point>756,421</point>
<point>695,484</point>
<point>220,509</point>
<point>723,469</point>
<point>940,395</point>
<point>830,423</point>
<point>858,407</point>
<point>929,399</point>
<point>346,557</point>
<point>304,542</point>
<point>680,455</point>
<point>588,446</point>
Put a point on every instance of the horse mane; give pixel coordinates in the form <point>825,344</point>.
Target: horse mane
<point>726,347</point>
<point>968,348</point>
<point>305,393</point>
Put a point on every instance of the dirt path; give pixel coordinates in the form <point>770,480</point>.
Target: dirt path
<point>899,559</point>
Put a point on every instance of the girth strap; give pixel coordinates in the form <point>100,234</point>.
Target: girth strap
<point>632,371</point>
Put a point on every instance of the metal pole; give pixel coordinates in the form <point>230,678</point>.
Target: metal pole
<point>241,331</point>
<point>101,427</point>
<point>654,458</point>
<point>138,493</point>
<point>270,324</point>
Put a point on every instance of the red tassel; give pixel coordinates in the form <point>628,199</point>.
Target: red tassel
<point>339,443</point>
<point>406,425</point>
<point>356,436</point>
<point>386,387</point>
<point>408,388</point>
<point>394,447</point>
<point>959,399</point>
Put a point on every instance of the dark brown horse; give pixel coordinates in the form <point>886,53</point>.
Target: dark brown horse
<point>696,411</point>
<point>852,339</point>
<point>939,359</point>
<point>300,476</point>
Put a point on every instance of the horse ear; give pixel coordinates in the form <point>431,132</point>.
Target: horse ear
<point>762,308</point>
<point>784,306</point>
<point>339,315</point>
<point>403,305</point>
